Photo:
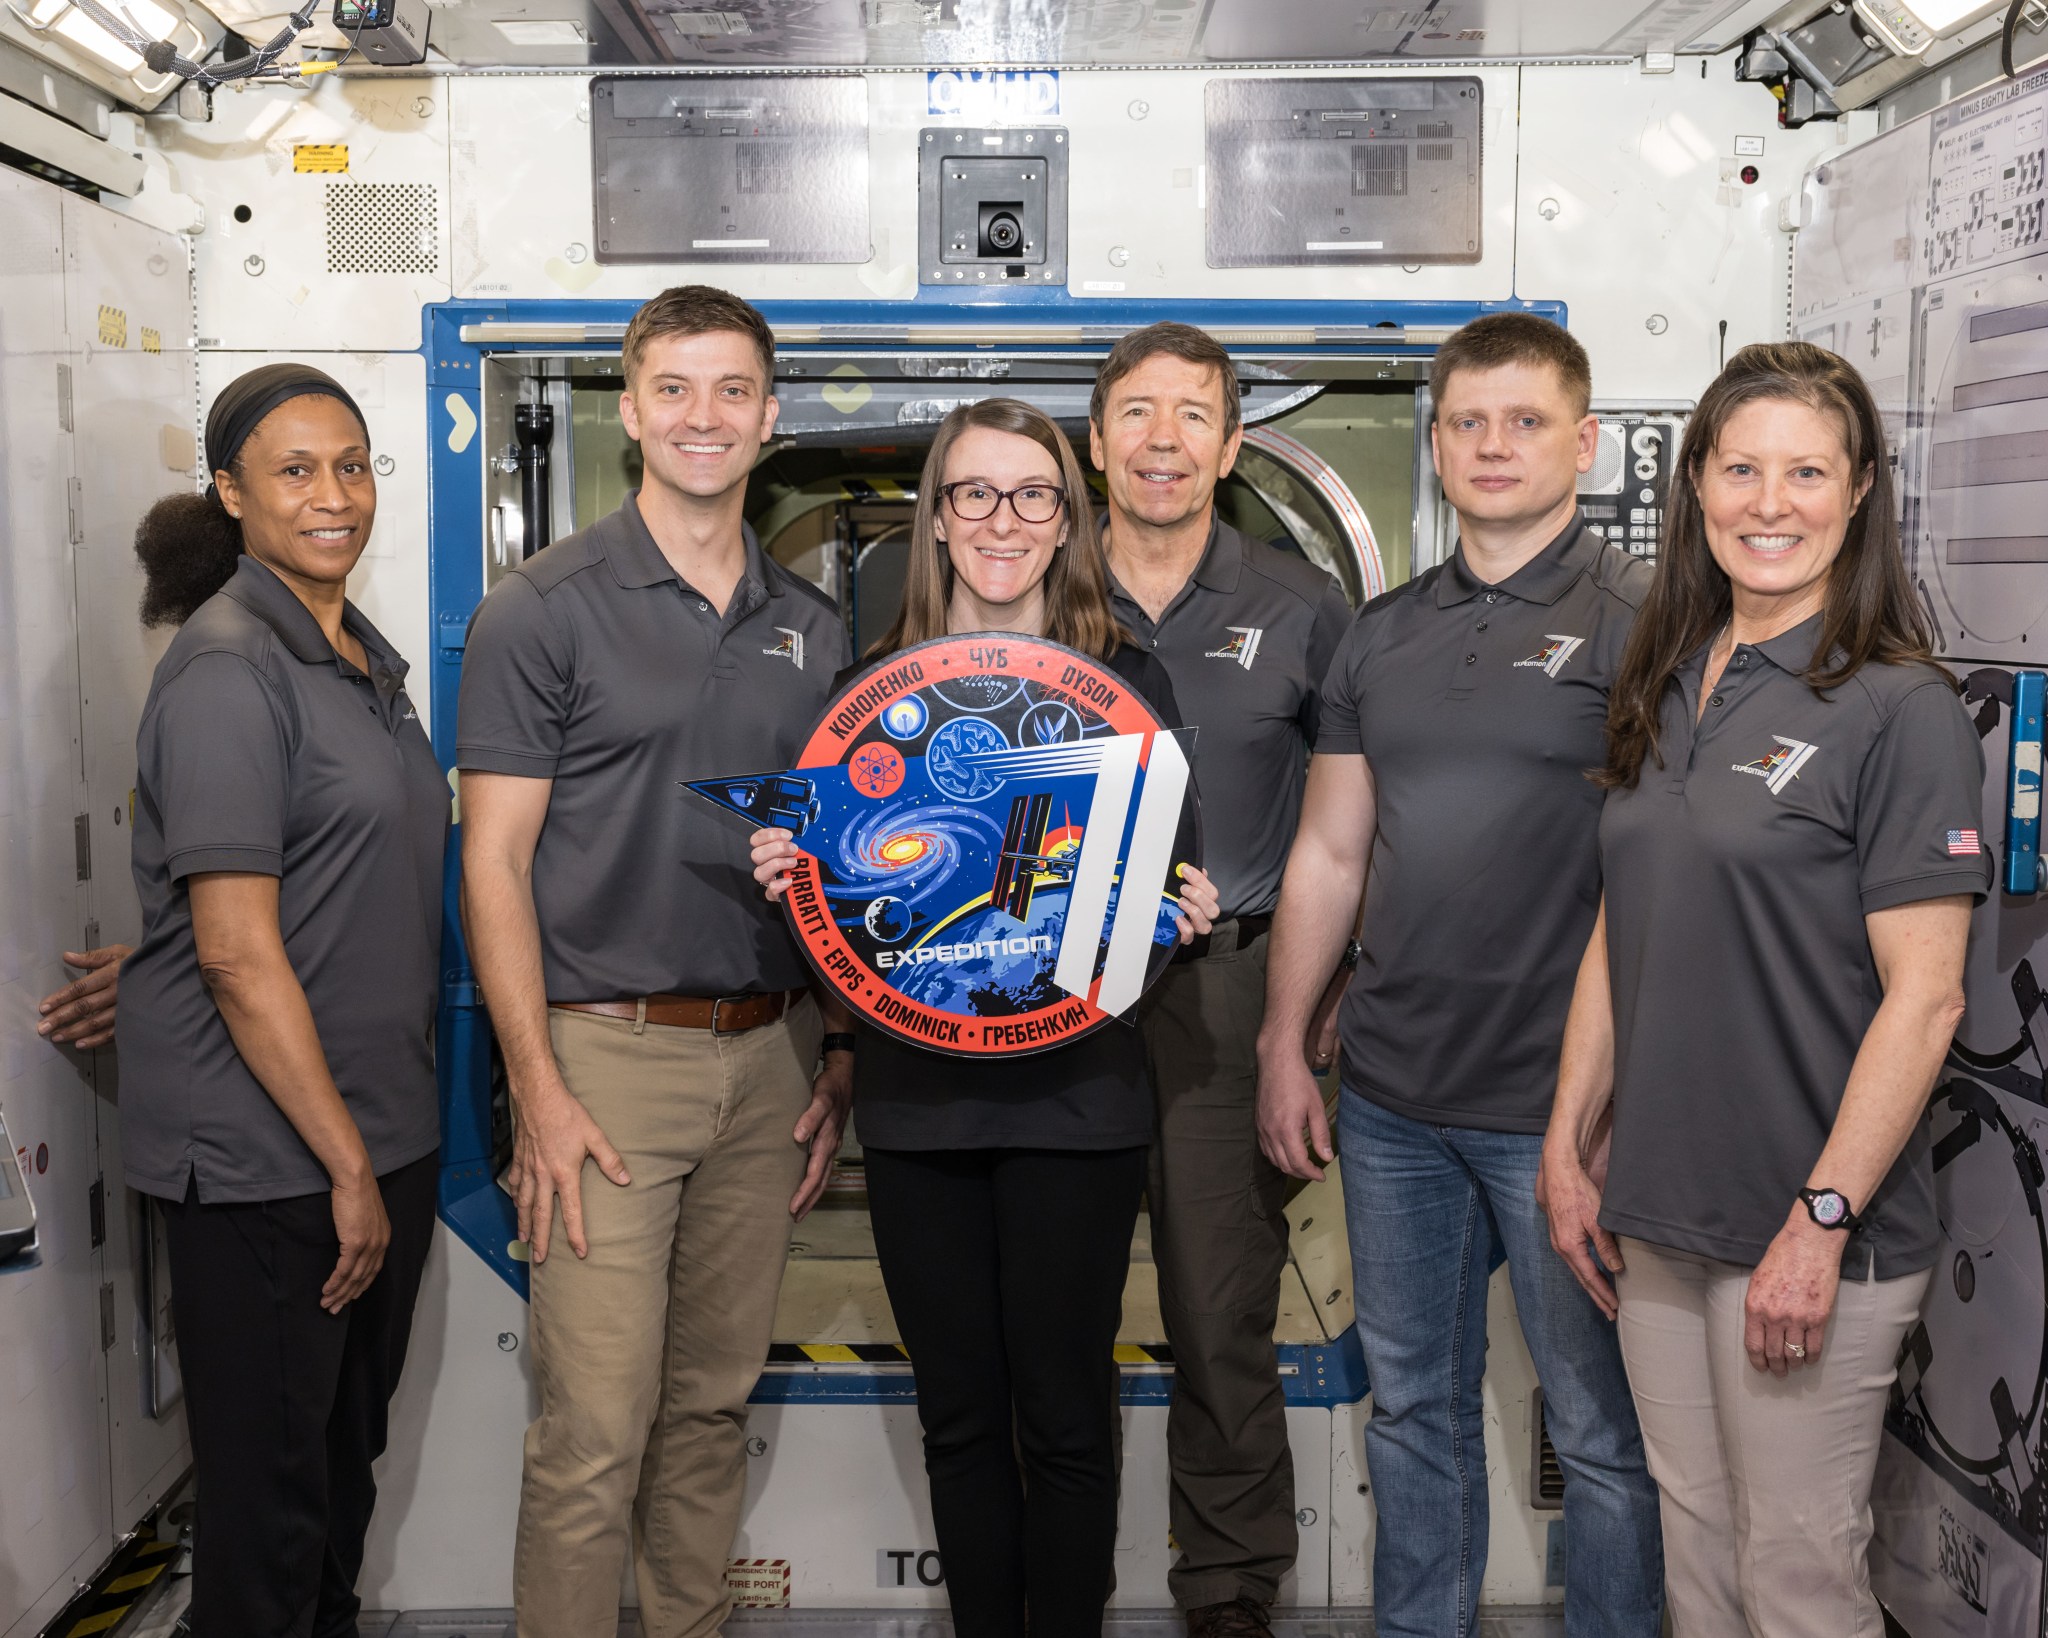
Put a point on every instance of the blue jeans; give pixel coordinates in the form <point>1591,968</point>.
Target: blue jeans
<point>1431,1211</point>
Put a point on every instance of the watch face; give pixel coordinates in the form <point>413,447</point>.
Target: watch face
<point>1829,1208</point>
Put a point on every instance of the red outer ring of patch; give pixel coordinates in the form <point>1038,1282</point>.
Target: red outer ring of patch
<point>1031,659</point>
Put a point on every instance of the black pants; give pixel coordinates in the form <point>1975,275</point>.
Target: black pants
<point>286,1403</point>
<point>1005,1268</point>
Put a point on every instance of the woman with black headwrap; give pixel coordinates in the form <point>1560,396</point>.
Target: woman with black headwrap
<point>275,1022</point>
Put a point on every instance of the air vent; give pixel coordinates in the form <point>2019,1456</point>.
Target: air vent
<point>383,227</point>
<point>1546,1472</point>
<point>1435,130</point>
<point>1379,169</point>
<point>763,167</point>
<point>1434,150</point>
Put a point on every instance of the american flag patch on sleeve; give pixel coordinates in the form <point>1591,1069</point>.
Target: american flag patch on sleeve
<point>1963,844</point>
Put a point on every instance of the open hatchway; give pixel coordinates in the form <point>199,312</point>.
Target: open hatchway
<point>1326,471</point>
<point>1335,467</point>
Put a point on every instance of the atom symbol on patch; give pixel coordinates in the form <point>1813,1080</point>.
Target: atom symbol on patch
<point>876,770</point>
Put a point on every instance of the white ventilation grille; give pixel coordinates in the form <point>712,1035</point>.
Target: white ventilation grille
<point>383,227</point>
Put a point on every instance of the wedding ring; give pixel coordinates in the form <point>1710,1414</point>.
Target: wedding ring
<point>1796,1349</point>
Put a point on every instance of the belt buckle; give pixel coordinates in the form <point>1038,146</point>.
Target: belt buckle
<point>717,1008</point>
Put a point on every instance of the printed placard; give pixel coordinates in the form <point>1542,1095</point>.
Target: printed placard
<point>758,1583</point>
<point>987,832</point>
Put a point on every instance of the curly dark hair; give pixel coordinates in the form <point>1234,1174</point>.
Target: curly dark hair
<point>188,545</point>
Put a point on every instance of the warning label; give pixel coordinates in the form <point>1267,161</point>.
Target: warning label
<point>758,1583</point>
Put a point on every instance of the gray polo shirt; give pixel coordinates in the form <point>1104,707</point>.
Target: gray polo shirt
<point>1247,642</point>
<point>262,750</point>
<point>1738,876</point>
<point>594,665</point>
<point>1480,709</point>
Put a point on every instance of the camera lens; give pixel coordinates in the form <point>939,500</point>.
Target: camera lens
<point>1004,235</point>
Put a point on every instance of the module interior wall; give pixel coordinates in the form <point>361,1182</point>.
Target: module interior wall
<point>265,284</point>
<point>524,216</point>
<point>1647,213</point>
<point>1630,207</point>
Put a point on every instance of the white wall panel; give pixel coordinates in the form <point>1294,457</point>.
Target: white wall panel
<point>128,296</point>
<point>1631,208</point>
<point>53,1507</point>
<point>267,282</point>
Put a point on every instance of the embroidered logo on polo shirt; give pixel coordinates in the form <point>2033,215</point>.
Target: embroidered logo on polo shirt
<point>1550,658</point>
<point>791,648</point>
<point>1778,768</point>
<point>1243,646</point>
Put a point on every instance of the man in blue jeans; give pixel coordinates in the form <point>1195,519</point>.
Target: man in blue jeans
<point>1458,718</point>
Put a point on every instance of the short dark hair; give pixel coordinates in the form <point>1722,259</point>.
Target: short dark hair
<point>695,310</point>
<point>1182,341</point>
<point>1500,339</point>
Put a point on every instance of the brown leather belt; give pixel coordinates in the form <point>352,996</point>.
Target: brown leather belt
<point>721,1014</point>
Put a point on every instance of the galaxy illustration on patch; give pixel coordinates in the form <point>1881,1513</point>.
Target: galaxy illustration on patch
<point>987,830</point>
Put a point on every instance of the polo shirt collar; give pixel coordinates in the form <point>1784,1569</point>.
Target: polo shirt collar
<point>1793,651</point>
<point>1222,559</point>
<point>1218,570</point>
<point>636,562</point>
<point>1543,579</point>
<point>259,590</point>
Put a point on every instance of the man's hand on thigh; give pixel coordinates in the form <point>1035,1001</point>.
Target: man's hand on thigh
<point>553,1135</point>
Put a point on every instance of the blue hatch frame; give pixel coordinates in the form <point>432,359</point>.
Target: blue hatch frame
<point>471,1204</point>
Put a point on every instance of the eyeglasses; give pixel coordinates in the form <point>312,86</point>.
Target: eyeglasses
<point>1034,503</point>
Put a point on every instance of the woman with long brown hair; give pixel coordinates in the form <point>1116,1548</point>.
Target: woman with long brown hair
<point>1003,1192</point>
<point>1790,854</point>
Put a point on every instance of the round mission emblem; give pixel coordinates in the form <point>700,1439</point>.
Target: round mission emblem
<point>988,829</point>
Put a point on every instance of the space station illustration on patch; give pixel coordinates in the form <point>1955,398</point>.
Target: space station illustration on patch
<point>986,829</point>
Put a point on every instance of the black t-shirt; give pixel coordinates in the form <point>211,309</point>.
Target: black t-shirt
<point>1092,1094</point>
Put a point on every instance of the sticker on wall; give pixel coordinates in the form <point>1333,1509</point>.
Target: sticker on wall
<point>992,96</point>
<point>852,395</point>
<point>152,342</point>
<point>113,327</point>
<point>988,830</point>
<point>758,1583</point>
<point>462,423</point>
<point>320,158</point>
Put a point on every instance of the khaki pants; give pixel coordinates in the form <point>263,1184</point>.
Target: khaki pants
<point>1219,1238</point>
<point>1764,1480</point>
<point>646,1351</point>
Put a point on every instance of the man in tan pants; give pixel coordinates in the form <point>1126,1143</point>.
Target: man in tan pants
<point>658,1039</point>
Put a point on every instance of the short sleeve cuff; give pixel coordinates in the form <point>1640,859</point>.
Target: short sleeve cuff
<point>199,861</point>
<point>1339,742</point>
<point>1915,889</point>
<point>492,759</point>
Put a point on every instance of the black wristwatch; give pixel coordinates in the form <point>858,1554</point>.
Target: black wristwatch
<point>837,1041</point>
<point>1830,1210</point>
<point>1349,959</point>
